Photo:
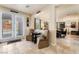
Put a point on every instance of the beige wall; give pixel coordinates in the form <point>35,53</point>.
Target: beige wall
<point>47,14</point>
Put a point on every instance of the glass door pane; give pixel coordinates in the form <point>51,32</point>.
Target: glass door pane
<point>19,26</point>
<point>6,25</point>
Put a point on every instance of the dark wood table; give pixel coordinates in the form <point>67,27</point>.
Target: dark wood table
<point>34,36</point>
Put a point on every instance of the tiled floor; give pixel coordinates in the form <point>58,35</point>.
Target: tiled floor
<point>24,47</point>
<point>64,45</point>
<point>68,45</point>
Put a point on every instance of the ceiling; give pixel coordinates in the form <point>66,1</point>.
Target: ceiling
<point>31,8</point>
<point>65,10</point>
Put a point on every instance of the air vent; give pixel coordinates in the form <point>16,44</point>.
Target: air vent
<point>14,11</point>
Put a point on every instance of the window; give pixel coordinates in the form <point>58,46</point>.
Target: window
<point>37,23</point>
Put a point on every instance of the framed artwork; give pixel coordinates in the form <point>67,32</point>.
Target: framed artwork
<point>73,24</point>
<point>27,21</point>
<point>46,25</point>
<point>62,24</point>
